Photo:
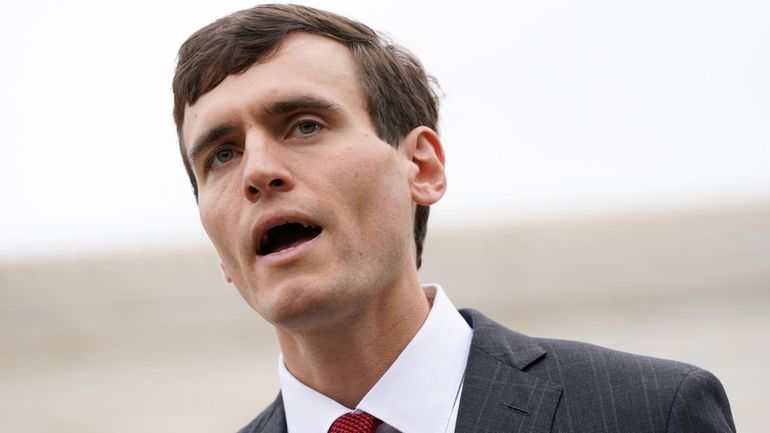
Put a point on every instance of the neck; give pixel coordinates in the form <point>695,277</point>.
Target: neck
<point>345,358</point>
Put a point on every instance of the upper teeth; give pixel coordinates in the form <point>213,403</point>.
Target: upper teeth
<point>297,222</point>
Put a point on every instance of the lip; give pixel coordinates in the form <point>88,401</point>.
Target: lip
<point>289,254</point>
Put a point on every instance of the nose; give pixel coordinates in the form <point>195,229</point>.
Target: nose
<point>265,171</point>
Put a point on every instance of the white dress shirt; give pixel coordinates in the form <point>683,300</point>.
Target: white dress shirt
<point>419,393</point>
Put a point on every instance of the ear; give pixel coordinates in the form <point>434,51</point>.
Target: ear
<point>225,274</point>
<point>427,180</point>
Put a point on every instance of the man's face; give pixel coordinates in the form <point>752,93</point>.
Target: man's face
<point>310,211</point>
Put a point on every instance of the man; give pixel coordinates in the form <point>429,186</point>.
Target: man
<point>312,149</point>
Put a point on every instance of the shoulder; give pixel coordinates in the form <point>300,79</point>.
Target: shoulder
<point>646,392</point>
<point>610,390</point>
<point>580,362</point>
<point>271,420</point>
<point>574,364</point>
<point>571,361</point>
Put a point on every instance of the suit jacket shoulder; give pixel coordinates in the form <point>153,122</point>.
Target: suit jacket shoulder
<point>546,385</point>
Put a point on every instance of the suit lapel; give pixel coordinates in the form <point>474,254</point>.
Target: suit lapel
<point>272,420</point>
<point>498,396</point>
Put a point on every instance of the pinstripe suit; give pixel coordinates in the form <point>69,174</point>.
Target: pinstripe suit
<point>517,384</point>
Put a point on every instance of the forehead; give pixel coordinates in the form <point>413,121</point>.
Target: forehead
<point>303,65</point>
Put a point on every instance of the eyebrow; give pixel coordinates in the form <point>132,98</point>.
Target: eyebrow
<point>285,106</point>
<point>202,143</point>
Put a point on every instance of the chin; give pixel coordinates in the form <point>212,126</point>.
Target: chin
<point>309,306</point>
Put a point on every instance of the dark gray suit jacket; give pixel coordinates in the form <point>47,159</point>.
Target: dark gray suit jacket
<point>517,384</point>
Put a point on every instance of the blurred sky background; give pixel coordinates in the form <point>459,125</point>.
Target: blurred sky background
<point>551,109</point>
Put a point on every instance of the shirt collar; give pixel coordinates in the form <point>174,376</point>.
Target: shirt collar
<point>416,394</point>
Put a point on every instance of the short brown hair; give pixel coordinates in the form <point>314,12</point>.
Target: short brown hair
<point>399,95</point>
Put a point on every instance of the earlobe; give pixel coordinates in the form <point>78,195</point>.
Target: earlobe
<point>428,182</point>
<point>225,274</point>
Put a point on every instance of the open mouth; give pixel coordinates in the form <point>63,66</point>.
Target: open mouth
<point>285,236</point>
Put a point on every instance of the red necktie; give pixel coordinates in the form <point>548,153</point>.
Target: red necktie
<point>355,423</point>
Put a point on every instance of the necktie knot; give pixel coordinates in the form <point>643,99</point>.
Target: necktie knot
<point>360,422</point>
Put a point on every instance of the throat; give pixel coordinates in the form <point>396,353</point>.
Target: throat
<point>323,355</point>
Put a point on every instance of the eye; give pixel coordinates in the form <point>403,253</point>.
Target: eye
<point>221,157</point>
<point>305,128</point>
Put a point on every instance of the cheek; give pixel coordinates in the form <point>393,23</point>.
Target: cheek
<point>216,221</point>
<point>380,193</point>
